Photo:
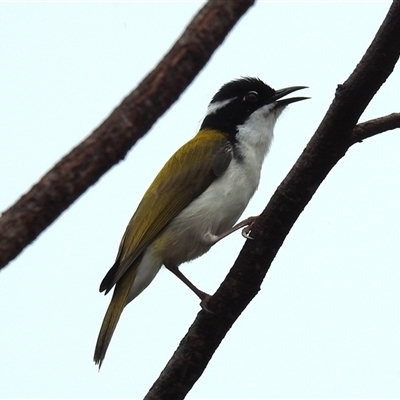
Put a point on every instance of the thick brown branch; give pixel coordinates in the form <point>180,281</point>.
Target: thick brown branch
<point>375,126</point>
<point>328,145</point>
<point>110,142</point>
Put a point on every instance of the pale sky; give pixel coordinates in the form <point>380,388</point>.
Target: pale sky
<point>326,322</point>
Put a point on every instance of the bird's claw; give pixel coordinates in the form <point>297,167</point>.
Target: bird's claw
<point>246,232</point>
<point>204,303</point>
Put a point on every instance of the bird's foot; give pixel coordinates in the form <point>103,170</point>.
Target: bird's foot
<point>246,231</point>
<point>204,302</point>
<point>210,239</point>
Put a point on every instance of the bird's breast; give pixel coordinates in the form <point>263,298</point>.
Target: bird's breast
<point>216,210</point>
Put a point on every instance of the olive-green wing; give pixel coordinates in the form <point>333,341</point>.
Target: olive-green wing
<point>186,175</point>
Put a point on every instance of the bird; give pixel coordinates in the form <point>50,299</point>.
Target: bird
<point>198,196</point>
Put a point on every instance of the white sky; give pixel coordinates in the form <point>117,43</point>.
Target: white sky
<point>326,322</point>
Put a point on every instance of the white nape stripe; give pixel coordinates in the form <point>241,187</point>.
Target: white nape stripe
<point>214,107</point>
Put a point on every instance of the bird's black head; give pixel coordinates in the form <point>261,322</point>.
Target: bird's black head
<point>233,104</point>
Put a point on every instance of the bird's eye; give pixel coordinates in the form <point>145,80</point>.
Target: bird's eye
<point>251,97</point>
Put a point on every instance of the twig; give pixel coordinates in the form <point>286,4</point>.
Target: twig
<point>375,126</point>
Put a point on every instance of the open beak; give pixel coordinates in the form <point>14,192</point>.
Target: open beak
<point>283,92</point>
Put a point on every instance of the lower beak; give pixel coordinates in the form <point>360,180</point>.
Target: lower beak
<point>283,92</point>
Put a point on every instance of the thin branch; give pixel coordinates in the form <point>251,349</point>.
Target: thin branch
<point>111,141</point>
<point>375,126</point>
<point>329,144</point>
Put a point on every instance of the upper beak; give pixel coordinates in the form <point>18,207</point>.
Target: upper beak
<point>283,92</point>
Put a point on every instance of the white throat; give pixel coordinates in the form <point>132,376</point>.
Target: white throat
<point>256,134</point>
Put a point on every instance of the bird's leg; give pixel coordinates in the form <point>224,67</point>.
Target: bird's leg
<point>246,224</point>
<point>200,294</point>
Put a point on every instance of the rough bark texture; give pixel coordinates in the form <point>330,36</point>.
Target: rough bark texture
<point>329,144</point>
<point>110,142</point>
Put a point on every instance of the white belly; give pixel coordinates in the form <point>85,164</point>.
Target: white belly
<point>214,211</point>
